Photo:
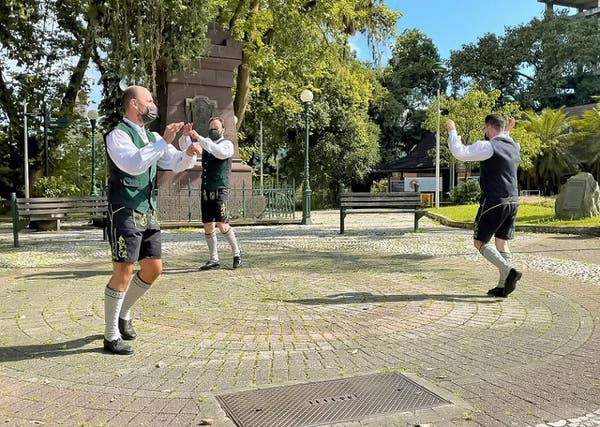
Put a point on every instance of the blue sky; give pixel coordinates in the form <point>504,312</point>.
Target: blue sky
<point>453,23</point>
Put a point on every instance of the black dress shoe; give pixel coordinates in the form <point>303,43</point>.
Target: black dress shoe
<point>210,265</point>
<point>126,330</point>
<point>511,281</point>
<point>237,261</point>
<point>117,346</point>
<point>496,292</point>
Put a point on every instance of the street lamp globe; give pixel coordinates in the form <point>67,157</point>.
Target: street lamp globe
<point>306,96</point>
<point>92,115</point>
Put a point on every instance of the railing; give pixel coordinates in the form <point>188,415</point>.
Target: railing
<point>182,203</point>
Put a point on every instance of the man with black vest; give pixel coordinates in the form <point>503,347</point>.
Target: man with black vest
<point>216,167</point>
<point>134,233</point>
<point>499,202</point>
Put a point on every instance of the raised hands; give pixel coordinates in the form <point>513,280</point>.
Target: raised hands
<point>171,131</point>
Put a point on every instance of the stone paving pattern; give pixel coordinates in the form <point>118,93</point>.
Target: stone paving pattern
<point>308,304</point>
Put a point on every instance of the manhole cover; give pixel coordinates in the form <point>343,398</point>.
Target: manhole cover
<point>326,402</point>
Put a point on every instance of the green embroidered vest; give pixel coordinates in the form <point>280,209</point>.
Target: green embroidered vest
<point>132,191</point>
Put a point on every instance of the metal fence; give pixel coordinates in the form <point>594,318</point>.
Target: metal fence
<point>182,203</point>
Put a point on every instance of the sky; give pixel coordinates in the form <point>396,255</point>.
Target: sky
<point>453,23</point>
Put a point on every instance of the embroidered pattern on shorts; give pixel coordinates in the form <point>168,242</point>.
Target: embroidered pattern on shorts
<point>119,249</point>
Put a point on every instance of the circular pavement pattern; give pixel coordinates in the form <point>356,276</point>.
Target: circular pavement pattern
<point>308,304</point>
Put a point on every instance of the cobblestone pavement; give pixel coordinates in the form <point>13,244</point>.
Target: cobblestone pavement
<point>308,304</point>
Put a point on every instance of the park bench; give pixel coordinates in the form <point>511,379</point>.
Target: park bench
<point>57,208</point>
<point>377,202</point>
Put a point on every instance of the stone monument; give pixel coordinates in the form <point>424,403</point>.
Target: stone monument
<point>579,198</point>
<point>196,96</point>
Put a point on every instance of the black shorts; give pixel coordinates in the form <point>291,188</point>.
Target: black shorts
<point>214,205</point>
<point>133,235</point>
<point>495,220</point>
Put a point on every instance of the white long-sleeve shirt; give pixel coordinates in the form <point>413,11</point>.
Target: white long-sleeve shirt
<point>476,152</point>
<point>134,161</point>
<point>221,149</point>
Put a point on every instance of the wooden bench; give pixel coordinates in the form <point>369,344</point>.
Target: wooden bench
<point>59,208</point>
<point>376,202</point>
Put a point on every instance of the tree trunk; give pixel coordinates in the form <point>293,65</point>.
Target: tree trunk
<point>242,87</point>
<point>70,97</point>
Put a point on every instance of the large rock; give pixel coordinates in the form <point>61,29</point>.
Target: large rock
<point>578,198</point>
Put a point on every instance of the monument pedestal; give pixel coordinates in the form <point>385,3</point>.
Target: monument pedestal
<point>196,96</point>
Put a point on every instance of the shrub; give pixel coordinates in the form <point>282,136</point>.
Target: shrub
<point>53,186</point>
<point>465,193</point>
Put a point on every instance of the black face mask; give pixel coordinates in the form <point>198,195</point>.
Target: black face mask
<point>150,115</point>
<point>214,134</point>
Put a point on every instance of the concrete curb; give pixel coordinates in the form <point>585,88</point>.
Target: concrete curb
<point>529,228</point>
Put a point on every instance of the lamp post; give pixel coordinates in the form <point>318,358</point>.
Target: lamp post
<point>306,97</point>
<point>93,116</point>
<point>439,69</point>
<point>25,150</point>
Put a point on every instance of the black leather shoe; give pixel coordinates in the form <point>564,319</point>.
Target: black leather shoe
<point>210,265</point>
<point>496,292</point>
<point>117,346</point>
<point>511,281</point>
<point>237,261</point>
<point>126,330</point>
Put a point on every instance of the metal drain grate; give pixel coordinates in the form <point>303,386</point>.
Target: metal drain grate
<point>325,402</point>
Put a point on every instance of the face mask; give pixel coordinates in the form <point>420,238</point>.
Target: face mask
<point>214,134</point>
<point>150,115</point>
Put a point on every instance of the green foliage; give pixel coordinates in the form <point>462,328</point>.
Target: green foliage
<point>379,186</point>
<point>586,140</point>
<point>465,192</point>
<point>546,62</point>
<point>410,82</point>
<point>554,160</point>
<point>53,186</point>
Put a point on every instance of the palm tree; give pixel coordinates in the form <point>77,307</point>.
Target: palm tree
<point>555,159</point>
<point>586,140</point>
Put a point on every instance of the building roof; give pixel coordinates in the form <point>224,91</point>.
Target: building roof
<point>416,160</point>
<point>579,4</point>
<point>578,110</point>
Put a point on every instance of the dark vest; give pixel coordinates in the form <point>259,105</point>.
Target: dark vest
<point>132,191</point>
<point>215,172</point>
<point>498,175</point>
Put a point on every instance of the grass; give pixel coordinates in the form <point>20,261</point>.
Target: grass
<point>532,210</point>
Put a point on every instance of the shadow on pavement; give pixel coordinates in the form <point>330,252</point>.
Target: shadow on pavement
<point>37,351</point>
<point>70,274</point>
<point>367,297</point>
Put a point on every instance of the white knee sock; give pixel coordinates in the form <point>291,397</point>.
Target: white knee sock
<point>137,288</point>
<point>211,241</point>
<point>230,237</point>
<point>113,300</point>
<point>508,258</point>
<point>490,253</point>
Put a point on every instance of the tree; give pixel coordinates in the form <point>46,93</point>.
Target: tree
<point>297,41</point>
<point>586,140</point>
<point>410,82</point>
<point>343,139</point>
<point>547,62</point>
<point>469,114</point>
<point>554,161</point>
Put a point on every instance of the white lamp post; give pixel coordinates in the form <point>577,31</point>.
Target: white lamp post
<point>439,69</point>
